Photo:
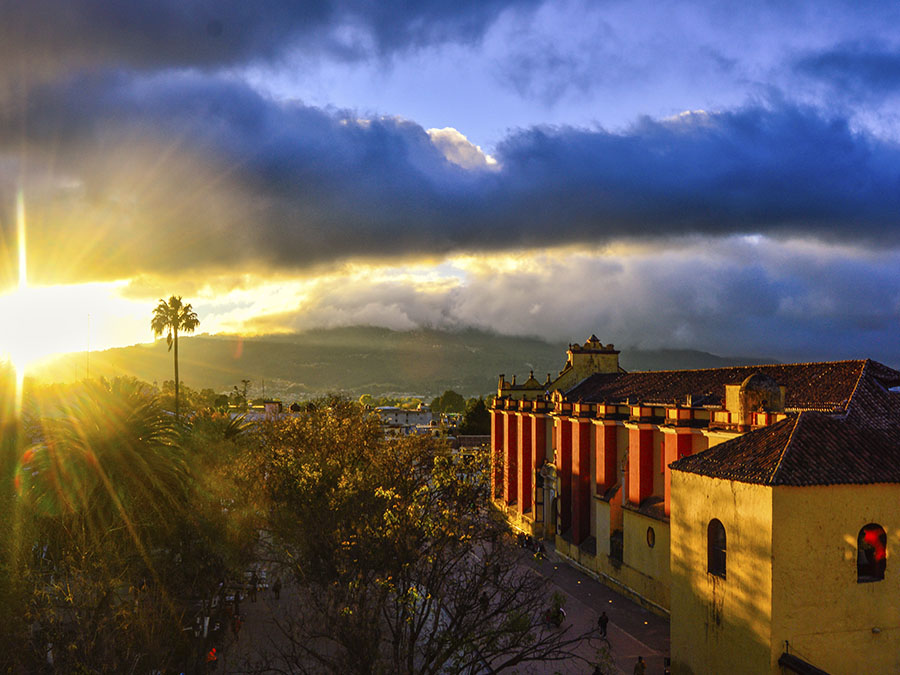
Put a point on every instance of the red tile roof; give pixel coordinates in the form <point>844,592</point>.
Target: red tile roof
<point>809,448</point>
<point>809,386</point>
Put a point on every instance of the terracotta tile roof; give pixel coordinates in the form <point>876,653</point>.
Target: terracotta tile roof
<point>809,386</point>
<point>809,448</point>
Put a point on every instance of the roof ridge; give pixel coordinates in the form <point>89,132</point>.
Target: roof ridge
<point>784,450</point>
<point>862,372</point>
<point>758,365</point>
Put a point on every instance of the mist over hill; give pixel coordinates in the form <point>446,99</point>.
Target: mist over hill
<point>355,361</point>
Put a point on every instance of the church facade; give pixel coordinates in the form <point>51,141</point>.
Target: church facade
<point>651,479</point>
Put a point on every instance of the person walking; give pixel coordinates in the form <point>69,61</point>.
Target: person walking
<point>602,622</point>
<point>640,668</point>
<point>254,585</point>
<point>276,587</point>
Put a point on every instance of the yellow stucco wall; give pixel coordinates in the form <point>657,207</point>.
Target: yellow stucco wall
<point>602,528</point>
<point>716,437</point>
<point>637,554</point>
<point>720,625</point>
<point>819,607</point>
<point>649,592</point>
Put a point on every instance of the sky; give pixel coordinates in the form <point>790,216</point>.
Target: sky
<point>662,174</point>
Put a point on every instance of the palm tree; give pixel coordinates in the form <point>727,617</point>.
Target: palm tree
<point>173,316</point>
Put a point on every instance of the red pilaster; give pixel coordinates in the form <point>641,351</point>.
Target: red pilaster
<point>678,445</point>
<point>563,430</point>
<point>607,456</point>
<point>539,440</point>
<point>581,481</point>
<point>640,463</point>
<point>511,456</point>
<point>525,452</point>
<point>498,460</point>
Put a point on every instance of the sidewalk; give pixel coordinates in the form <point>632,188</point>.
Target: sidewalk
<point>633,631</point>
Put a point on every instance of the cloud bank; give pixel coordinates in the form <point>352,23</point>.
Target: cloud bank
<point>787,300</point>
<point>166,172</point>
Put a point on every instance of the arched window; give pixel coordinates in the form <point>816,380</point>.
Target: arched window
<point>871,553</point>
<point>715,548</point>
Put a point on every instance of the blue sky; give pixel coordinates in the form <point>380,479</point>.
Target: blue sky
<point>661,174</point>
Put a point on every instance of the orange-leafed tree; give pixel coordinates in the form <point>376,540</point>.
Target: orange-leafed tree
<point>171,317</point>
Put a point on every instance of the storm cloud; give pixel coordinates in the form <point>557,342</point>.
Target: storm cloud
<point>156,173</point>
<point>858,70</point>
<point>44,38</point>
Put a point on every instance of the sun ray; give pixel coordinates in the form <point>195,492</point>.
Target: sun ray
<point>20,234</point>
<point>23,283</point>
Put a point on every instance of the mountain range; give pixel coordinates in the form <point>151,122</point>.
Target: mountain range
<point>355,360</point>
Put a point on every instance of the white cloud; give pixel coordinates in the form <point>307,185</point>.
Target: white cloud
<point>459,150</point>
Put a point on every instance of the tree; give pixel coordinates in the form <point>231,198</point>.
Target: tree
<point>173,316</point>
<point>448,402</point>
<point>398,562</point>
<point>477,418</point>
<point>124,525</point>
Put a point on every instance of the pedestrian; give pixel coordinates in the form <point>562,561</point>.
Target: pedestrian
<point>212,659</point>
<point>640,668</point>
<point>555,616</point>
<point>254,584</point>
<point>602,621</point>
<point>276,587</point>
<point>236,626</point>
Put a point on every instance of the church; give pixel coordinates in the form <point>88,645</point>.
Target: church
<point>757,506</point>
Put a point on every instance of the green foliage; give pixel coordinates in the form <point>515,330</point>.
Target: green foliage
<point>410,402</point>
<point>116,525</point>
<point>121,523</point>
<point>395,553</point>
<point>476,420</point>
<point>189,400</point>
<point>448,402</point>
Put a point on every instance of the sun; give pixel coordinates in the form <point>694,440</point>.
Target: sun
<point>40,321</point>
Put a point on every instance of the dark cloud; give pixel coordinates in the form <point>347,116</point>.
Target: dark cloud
<point>857,70</point>
<point>174,172</point>
<point>40,38</point>
<point>781,169</point>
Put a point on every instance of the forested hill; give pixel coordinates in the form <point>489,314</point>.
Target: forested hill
<point>355,361</point>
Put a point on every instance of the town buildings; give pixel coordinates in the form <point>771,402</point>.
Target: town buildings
<point>759,505</point>
<point>404,421</point>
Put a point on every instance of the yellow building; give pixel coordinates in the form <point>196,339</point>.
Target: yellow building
<point>784,543</point>
<point>626,471</point>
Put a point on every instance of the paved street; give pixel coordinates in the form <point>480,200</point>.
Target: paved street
<point>633,631</point>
